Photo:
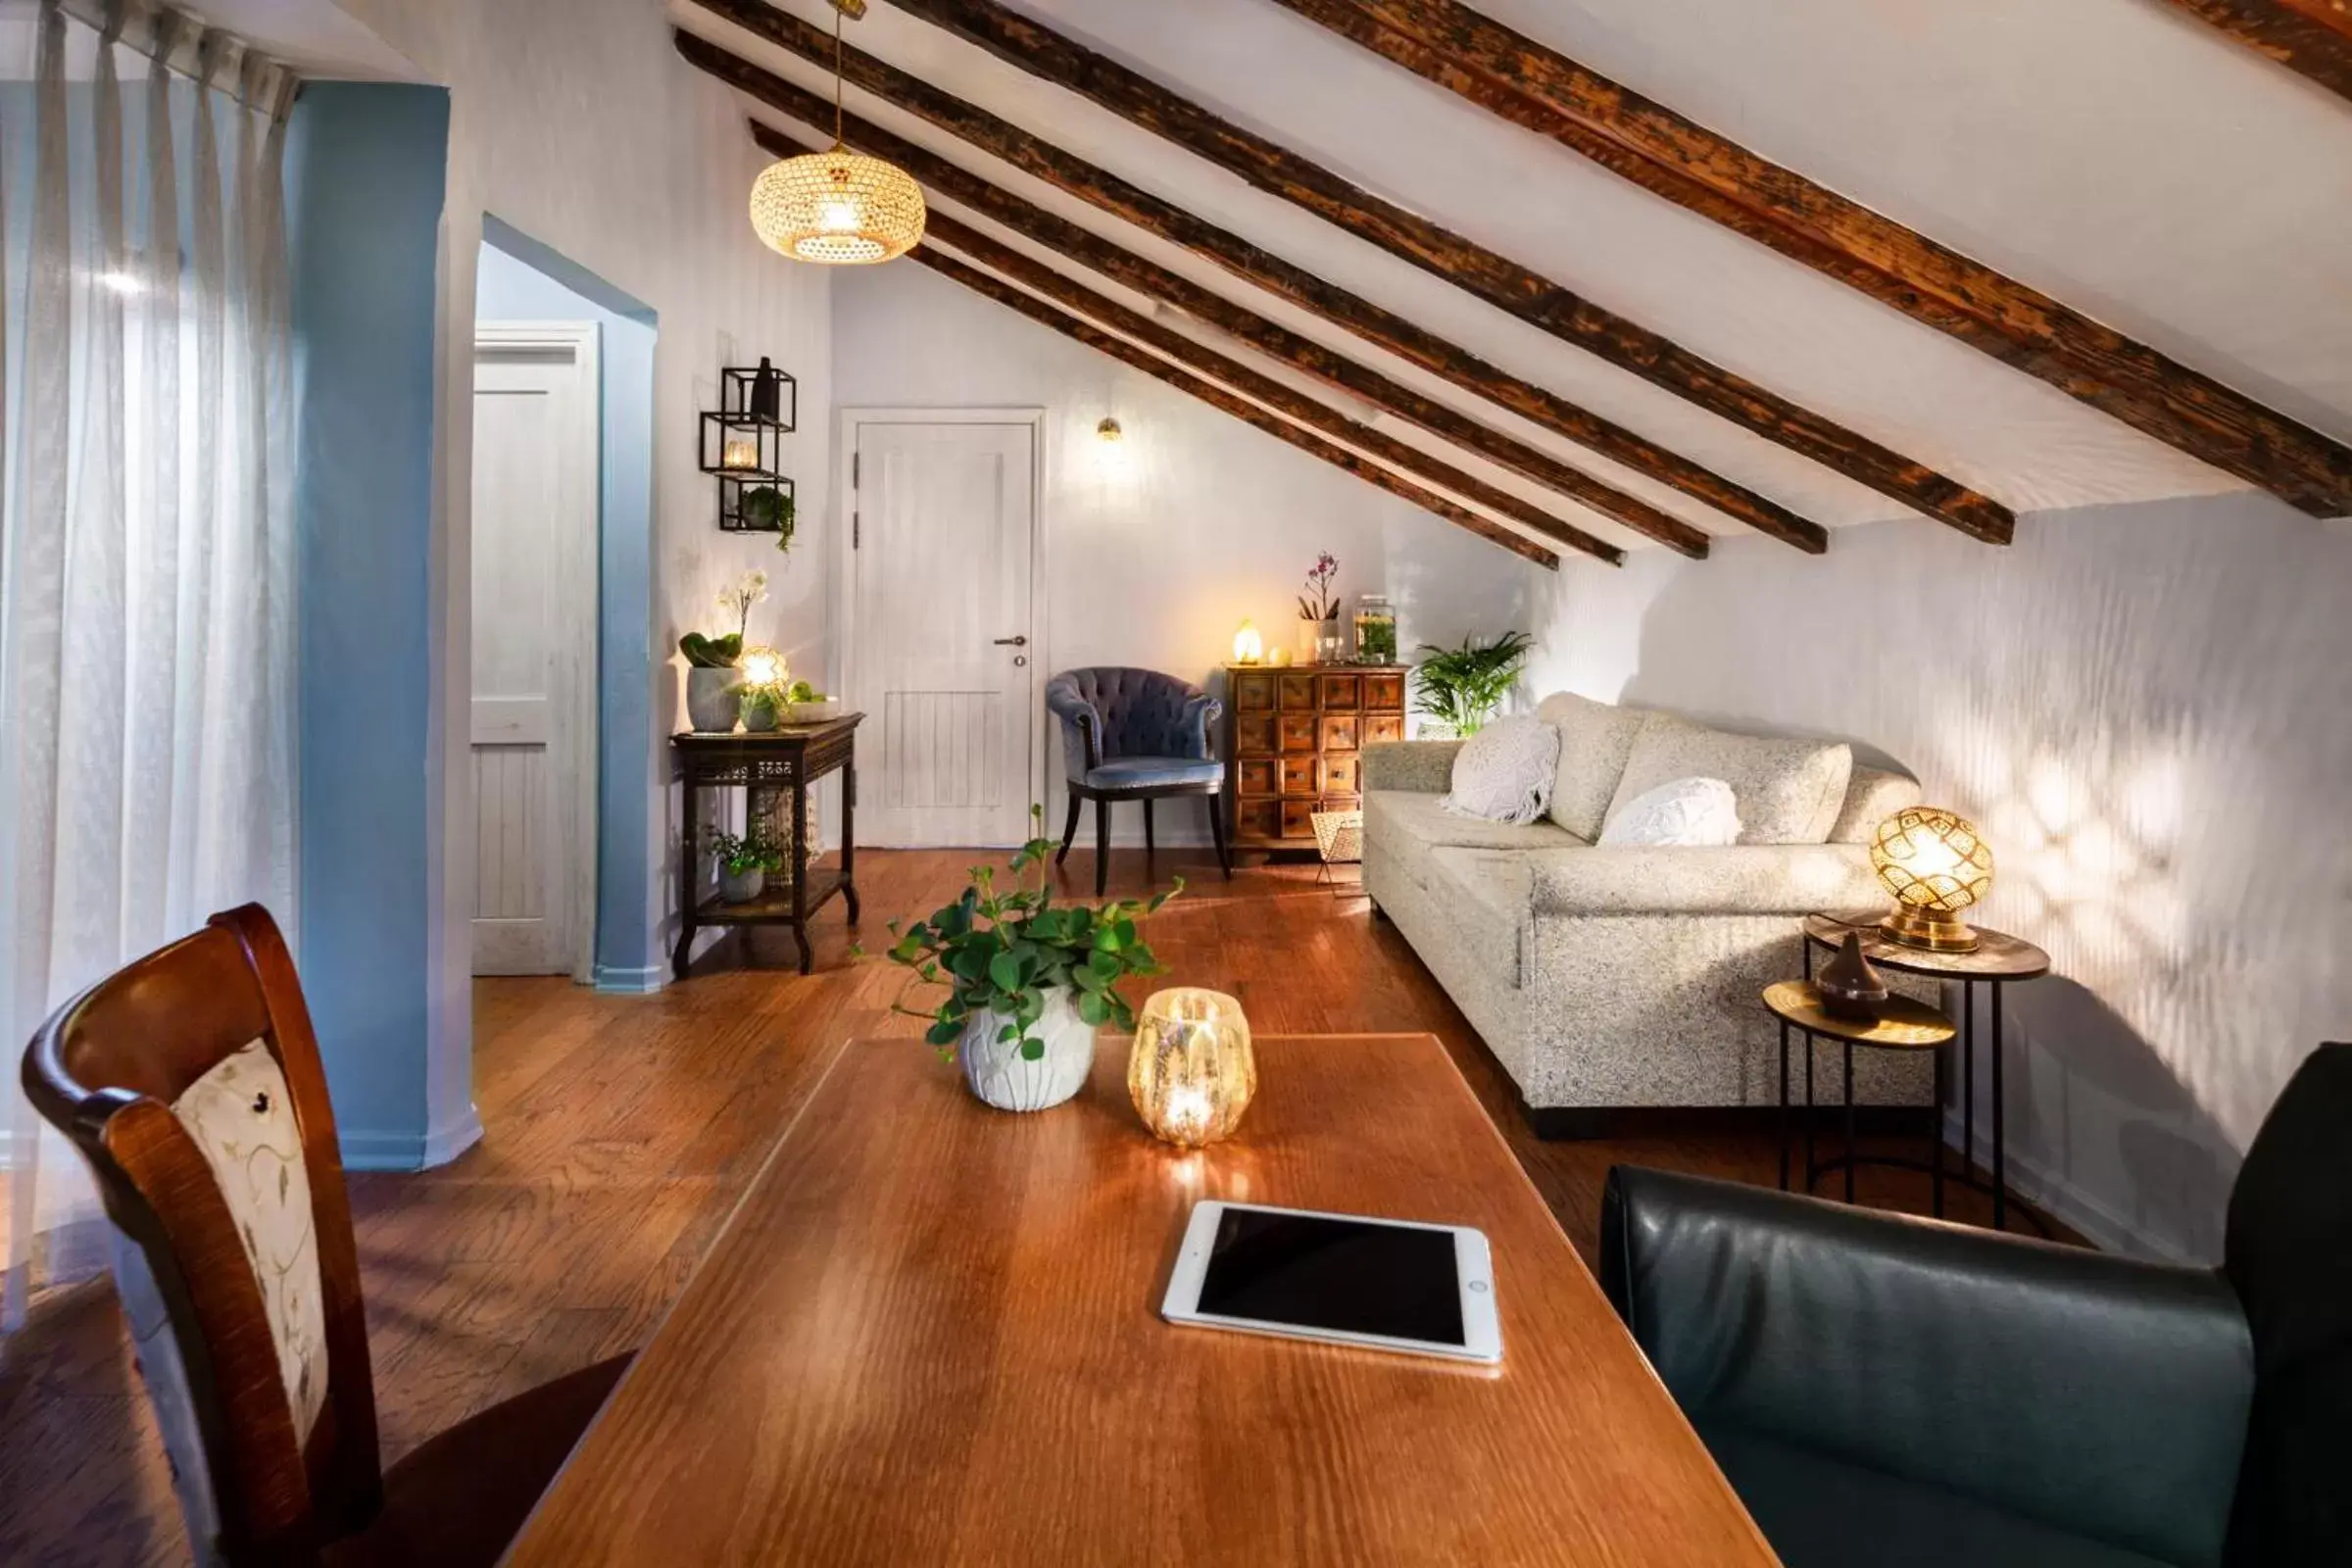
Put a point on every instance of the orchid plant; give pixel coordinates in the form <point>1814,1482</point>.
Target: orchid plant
<point>1319,602</point>
<point>736,600</point>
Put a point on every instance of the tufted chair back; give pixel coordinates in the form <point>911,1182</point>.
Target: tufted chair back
<point>1110,712</point>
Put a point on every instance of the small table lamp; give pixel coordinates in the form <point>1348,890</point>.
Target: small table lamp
<point>1191,1072</point>
<point>1935,864</point>
<point>1249,648</point>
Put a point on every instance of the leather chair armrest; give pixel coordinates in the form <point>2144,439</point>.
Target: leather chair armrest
<point>1425,768</point>
<point>1201,714</point>
<point>2093,1392</point>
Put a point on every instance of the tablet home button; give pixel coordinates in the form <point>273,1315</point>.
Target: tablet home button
<point>1478,1285</point>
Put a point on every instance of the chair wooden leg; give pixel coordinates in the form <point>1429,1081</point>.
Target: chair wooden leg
<point>1216,833</point>
<point>1102,845</point>
<point>1150,847</point>
<point>1069,829</point>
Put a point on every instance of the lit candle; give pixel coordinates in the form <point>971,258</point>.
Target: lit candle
<point>1191,1073</point>
<point>740,455</point>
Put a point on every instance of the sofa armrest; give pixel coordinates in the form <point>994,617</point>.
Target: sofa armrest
<point>2093,1392</point>
<point>1423,767</point>
<point>1792,879</point>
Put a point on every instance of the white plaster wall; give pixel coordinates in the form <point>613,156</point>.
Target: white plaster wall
<point>1159,547</point>
<point>575,122</point>
<point>2145,710</point>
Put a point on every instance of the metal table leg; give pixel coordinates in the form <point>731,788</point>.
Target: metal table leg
<point>1808,1110</point>
<point>1781,1124</point>
<point>1852,1154</point>
<point>2000,1141</point>
<point>1935,1129</point>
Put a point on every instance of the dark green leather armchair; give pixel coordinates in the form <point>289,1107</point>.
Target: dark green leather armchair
<point>1881,1390</point>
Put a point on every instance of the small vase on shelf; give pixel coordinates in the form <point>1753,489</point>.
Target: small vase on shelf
<point>1310,639</point>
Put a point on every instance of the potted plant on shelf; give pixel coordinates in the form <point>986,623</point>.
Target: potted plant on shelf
<point>1028,980</point>
<point>769,508</point>
<point>1319,613</point>
<point>744,862</point>
<point>711,706</point>
<point>763,703</point>
<point>1461,688</point>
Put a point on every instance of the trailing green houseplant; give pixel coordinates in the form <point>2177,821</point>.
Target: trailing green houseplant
<point>1462,687</point>
<point>745,860</point>
<point>1006,956</point>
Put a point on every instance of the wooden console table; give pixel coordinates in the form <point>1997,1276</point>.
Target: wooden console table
<point>788,760</point>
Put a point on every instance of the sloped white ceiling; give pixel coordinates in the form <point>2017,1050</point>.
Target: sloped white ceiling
<point>2141,168</point>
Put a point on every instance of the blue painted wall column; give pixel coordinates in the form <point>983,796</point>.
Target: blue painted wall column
<point>366,180</point>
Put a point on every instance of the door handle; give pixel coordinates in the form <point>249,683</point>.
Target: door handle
<point>1013,642</point>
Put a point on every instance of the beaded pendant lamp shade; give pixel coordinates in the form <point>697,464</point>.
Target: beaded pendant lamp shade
<point>838,208</point>
<point>1937,865</point>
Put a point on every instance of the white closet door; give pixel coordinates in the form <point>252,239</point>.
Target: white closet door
<point>943,647</point>
<point>534,649</point>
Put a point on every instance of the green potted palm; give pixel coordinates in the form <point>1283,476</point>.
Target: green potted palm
<point>1460,689</point>
<point>1028,980</point>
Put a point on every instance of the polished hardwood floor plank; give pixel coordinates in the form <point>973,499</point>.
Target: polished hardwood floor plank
<point>620,1131</point>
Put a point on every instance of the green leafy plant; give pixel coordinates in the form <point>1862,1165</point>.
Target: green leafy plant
<point>1006,953</point>
<point>740,852</point>
<point>802,691</point>
<point>1463,686</point>
<point>768,506</point>
<point>761,697</point>
<point>712,653</point>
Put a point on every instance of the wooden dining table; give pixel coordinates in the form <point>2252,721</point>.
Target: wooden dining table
<point>930,1335</point>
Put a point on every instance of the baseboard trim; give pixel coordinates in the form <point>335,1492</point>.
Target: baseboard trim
<point>2063,1202</point>
<point>409,1152</point>
<point>1587,1123</point>
<point>612,980</point>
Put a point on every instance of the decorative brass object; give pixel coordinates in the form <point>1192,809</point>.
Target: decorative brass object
<point>1850,987</point>
<point>1936,864</point>
<point>1191,1073</point>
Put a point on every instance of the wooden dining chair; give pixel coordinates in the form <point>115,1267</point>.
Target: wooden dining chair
<point>191,1082</point>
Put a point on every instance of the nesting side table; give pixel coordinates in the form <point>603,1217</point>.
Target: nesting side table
<point>787,760</point>
<point>1998,959</point>
<point>1901,1024</point>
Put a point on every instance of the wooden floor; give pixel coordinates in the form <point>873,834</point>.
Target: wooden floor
<point>620,1131</point>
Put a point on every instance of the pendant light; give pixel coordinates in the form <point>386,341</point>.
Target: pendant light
<point>838,208</point>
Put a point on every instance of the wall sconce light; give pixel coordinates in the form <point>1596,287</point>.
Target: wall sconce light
<point>1191,1073</point>
<point>1249,648</point>
<point>1934,866</point>
<point>1109,432</point>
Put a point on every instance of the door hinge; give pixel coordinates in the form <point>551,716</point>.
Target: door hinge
<point>857,529</point>
<point>856,466</point>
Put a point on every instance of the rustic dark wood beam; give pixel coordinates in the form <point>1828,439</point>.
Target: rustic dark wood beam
<point>1383,328</point>
<point>1240,408</point>
<point>1536,87</point>
<point>1064,238</point>
<point>2310,36</point>
<point>1539,301</point>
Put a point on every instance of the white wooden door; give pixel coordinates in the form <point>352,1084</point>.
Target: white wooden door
<point>535,444</point>
<point>941,654</point>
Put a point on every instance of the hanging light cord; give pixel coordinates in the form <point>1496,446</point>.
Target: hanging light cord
<point>838,142</point>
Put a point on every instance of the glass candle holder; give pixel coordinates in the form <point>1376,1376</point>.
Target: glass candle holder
<point>1191,1072</point>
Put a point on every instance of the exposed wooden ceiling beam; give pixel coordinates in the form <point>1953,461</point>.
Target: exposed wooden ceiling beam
<point>1039,279</point>
<point>2310,36</point>
<point>1240,408</point>
<point>1544,91</point>
<point>1062,237</point>
<point>1539,301</point>
<point>1383,328</point>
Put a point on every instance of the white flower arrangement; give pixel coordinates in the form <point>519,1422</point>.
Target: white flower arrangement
<point>738,598</point>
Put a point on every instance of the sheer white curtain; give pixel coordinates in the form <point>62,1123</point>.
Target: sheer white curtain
<point>146,586</point>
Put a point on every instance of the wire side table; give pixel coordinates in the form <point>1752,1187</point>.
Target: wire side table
<point>1999,959</point>
<point>1900,1025</point>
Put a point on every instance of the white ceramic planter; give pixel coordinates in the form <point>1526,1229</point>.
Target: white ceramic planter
<point>710,705</point>
<point>998,1074</point>
<point>741,887</point>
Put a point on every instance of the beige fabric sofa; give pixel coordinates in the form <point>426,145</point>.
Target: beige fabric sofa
<point>1607,979</point>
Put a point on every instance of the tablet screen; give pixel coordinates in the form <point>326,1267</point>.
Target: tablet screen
<point>1347,1275</point>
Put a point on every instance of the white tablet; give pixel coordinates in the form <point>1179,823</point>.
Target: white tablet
<point>1388,1284</point>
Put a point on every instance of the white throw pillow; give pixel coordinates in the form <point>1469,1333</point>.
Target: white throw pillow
<point>1689,812</point>
<point>1503,773</point>
<point>1790,789</point>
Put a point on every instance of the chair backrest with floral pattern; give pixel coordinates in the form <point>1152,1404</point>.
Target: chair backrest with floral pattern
<point>191,1081</point>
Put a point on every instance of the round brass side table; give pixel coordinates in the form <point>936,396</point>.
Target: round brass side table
<point>1997,962</point>
<point>1900,1025</point>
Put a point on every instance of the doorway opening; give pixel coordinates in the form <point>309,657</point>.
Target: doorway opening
<point>562,690</point>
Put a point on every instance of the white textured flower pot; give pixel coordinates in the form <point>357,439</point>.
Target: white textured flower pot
<point>1000,1076</point>
<point>711,704</point>
<point>741,887</point>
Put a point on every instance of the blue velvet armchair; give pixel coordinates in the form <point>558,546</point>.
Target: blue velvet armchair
<point>1135,735</point>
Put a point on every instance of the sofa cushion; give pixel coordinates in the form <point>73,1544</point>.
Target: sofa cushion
<point>1595,738</point>
<point>1872,796</point>
<point>1410,814</point>
<point>1790,791</point>
<point>1503,773</point>
<point>1689,813</point>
